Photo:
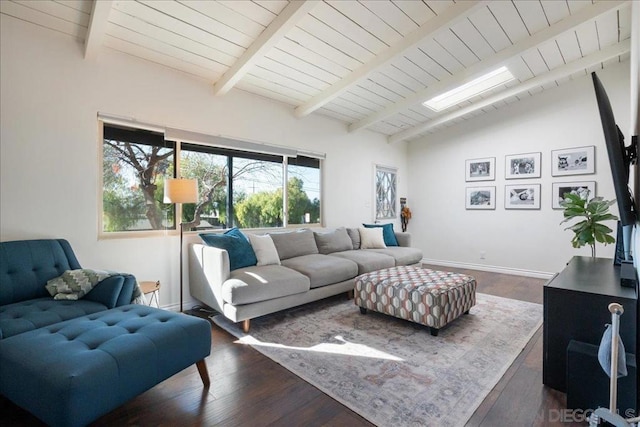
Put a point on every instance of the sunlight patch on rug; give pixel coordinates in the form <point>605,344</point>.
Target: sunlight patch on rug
<point>343,348</point>
<point>391,371</point>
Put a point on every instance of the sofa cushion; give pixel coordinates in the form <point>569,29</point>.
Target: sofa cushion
<point>371,238</point>
<point>354,234</point>
<point>387,233</point>
<point>403,238</point>
<point>402,255</point>
<point>26,265</point>
<point>236,244</point>
<point>333,241</point>
<point>253,284</point>
<point>294,243</point>
<point>367,260</point>
<point>114,291</point>
<point>264,248</point>
<point>323,269</point>
<point>33,314</point>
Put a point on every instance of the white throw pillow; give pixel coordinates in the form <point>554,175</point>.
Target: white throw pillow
<point>371,238</point>
<point>264,248</point>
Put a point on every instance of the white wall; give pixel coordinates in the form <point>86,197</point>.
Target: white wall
<point>49,149</point>
<point>524,241</point>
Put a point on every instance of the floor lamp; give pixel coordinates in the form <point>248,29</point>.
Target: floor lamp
<point>180,191</point>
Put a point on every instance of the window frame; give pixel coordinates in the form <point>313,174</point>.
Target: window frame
<point>391,171</point>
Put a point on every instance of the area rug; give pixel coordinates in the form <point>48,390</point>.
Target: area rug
<point>390,371</point>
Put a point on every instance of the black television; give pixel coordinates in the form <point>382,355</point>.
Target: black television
<point>621,158</point>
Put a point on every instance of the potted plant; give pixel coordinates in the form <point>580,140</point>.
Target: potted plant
<point>590,230</point>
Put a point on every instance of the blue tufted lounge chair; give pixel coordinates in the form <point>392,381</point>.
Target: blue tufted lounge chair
<point>25,304</point>
<point>70,362</point>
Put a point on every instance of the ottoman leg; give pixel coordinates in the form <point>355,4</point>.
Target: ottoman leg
<point>363,310</point>
<point>434,331</point>
<point>204,372</point>
<point>246,324</point>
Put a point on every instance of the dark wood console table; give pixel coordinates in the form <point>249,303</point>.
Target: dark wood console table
<point>575,308</point>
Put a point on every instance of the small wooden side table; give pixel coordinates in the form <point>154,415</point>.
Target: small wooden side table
<point>153,288</point>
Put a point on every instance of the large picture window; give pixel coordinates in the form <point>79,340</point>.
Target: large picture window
<point>236,188</point>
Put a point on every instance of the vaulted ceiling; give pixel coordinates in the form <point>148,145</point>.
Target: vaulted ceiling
<point>368,63</point>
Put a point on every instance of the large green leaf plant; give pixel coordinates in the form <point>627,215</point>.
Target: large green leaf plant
<point>589,230</point>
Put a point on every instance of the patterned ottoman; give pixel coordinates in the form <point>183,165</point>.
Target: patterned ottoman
<point>429,297</point>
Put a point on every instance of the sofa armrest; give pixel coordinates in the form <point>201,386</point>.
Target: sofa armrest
<point>113,291</point>
<point>209,268</point>
<point>404,239</point>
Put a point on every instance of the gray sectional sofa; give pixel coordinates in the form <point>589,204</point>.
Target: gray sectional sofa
<point>312,265</point>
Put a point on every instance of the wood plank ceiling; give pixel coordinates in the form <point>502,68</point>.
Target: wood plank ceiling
<point>368,63</point>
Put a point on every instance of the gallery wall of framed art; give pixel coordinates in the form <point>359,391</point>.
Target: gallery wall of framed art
<point>521,190</point>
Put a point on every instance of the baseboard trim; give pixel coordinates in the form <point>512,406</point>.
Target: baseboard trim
<point>491,268</point>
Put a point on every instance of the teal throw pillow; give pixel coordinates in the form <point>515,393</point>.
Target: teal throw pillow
<point>387,233</point>
<point>236,244</point>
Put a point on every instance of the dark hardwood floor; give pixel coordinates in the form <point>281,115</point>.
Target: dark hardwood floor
<point>248,389</point>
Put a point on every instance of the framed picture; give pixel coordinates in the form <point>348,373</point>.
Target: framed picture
<point>522,196</point>
<point>481,169</point>
<point>481,198</point>
<point>573,161</point>
<point>585,189</point>
<point>386,194</point>
<point>518,166</point>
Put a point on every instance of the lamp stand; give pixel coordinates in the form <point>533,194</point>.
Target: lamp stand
<point>181,261</point>
<point>179,191</point>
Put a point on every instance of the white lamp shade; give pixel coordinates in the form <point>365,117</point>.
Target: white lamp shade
<point>180,190</point>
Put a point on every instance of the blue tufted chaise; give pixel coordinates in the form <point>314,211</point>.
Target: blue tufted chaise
<point>25,303</point>
<point>70,372</point>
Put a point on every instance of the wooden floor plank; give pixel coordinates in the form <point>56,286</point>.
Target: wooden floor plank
<point>247,388</point>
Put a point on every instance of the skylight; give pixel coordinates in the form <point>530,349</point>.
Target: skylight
<point>468,90</point>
